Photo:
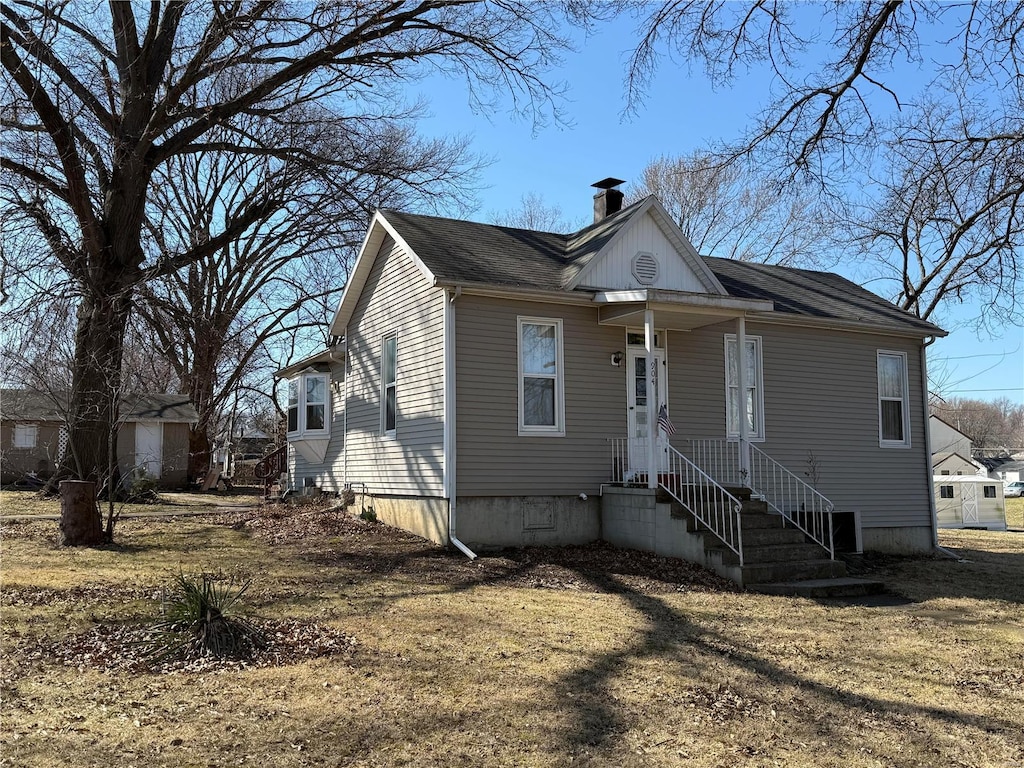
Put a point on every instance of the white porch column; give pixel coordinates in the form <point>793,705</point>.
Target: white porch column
<point>652,401</point>
<point>741,382</point>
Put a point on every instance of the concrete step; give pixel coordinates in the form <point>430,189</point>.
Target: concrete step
<point>780,554</point>
<point>752,520</point>
<point>800,570</point>
<point>846,586</point>
<point>755,537</point>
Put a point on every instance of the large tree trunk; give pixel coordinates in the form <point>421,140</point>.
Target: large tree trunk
<point>92,412</point>
<point>80,521</point>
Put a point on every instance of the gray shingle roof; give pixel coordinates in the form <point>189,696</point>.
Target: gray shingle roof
<point>30,405</point>
<point>464,251</point>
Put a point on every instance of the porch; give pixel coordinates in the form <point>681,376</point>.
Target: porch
<point>749,519</point>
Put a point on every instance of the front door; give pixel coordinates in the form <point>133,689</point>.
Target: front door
<point>642,408</point>
<point>969,499</point>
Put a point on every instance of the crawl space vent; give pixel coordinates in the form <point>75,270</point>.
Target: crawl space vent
<point>645,268</point>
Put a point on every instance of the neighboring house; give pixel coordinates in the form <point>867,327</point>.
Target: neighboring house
<point>152,438</point>
<point>955,464</point>
<point>947,439</point>
<point>969,501</point>
<point>487,384</point>
<point>1009,471</point>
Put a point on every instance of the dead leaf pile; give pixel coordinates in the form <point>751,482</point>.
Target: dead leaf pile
<point>113,647</point>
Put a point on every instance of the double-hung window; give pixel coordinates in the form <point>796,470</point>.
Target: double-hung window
<point>893,400</point>
<point>308,405</point>
<point>389,385</point>
<point>945,491</point>
<point>541,377</point>
<point>753,399</point>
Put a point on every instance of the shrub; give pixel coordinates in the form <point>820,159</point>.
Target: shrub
<point>199,621</point>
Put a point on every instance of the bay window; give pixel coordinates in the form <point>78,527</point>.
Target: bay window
<point>308,405</point>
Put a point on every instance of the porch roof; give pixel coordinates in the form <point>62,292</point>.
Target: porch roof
<point>673,310</point>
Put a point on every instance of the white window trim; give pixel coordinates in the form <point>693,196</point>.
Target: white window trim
<point>393,432</point>
<point>758,435</point>
<point>905,442</point>
<point>300,431</point>
<point>25,430</point>
<point>530,430</point>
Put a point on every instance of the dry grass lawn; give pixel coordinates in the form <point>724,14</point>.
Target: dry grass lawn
<point>1015,513</point>
<point>574,657</point>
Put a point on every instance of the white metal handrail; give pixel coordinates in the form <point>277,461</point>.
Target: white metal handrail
<point>797,501</point>
<point>720,459</point>
<point>698,493</point>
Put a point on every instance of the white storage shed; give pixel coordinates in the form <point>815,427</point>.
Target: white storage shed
<point>969,501</point>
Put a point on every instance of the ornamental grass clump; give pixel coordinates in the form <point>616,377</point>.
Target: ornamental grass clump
<point>200,620</point>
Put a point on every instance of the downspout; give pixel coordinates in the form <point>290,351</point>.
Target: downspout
<point>932,514</point>
<point>344,415</point>
<point>449,418</point>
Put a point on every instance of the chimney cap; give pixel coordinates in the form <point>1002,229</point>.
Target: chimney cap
<point>608,183</point>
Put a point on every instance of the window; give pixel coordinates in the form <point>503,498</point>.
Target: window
<point>945,491</point>
<point>25,435</point>
<point>754,398</point>
<point>944,472</point>
<point>389,385</point>
<point>308,406</point>
<point>541,379</point>
<point>959,472</point>
<point>893,401</point>
<point>990,491</point>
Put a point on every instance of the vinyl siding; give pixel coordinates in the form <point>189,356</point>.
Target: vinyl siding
<point>397,298</point>
<point>615,268</point>
<point>820,398</point>
<point>16,462</point>
<point>492,458</point>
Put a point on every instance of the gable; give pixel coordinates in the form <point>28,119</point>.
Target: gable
<point>649,251</point>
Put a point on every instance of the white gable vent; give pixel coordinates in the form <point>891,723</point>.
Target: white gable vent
<point>645,268</point>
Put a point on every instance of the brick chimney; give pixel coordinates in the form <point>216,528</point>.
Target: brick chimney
<point>609,199</point>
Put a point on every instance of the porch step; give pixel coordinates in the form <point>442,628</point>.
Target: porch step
<point>793,571</point>
<point>800,552</point>
<point>846,586</point>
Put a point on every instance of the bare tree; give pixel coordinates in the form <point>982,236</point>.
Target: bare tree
<point>100,100</point>
<point>833,116</point>
<point>995,427</point>
<point>729,211</point>
<point>533,213</point>
<point>947,222</point>
<point>212,321</point>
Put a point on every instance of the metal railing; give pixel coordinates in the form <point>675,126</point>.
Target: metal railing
<point>710,504</point>
<point>797,501</point>
<point>720,459</point>
<point>269,468</point>
<point>785,493</point>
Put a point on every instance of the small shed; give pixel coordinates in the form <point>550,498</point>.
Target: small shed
<point>969,501</point>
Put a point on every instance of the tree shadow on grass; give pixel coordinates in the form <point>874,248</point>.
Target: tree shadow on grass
<point>593,720</point>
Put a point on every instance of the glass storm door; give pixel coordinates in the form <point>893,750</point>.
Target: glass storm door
<point>641,413</point>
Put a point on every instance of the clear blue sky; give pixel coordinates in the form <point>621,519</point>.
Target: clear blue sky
<point>681,113</point>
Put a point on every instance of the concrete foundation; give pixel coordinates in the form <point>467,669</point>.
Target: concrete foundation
<point>486,522</point>
<point>426,517</point>
<point>898,541</point>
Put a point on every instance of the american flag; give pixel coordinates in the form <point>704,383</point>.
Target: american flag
<point>665,422</point>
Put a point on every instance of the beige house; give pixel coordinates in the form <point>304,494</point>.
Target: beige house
<point>152,439</point>
<point>490,386</point>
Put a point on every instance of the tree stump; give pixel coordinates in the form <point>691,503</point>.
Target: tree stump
<point>80,520</point>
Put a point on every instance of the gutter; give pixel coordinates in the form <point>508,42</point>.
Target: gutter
<point>449,418</point>
<point>932,514</point>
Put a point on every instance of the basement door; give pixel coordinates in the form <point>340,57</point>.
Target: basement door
<point>149,438</point>
<point>639,414</point>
